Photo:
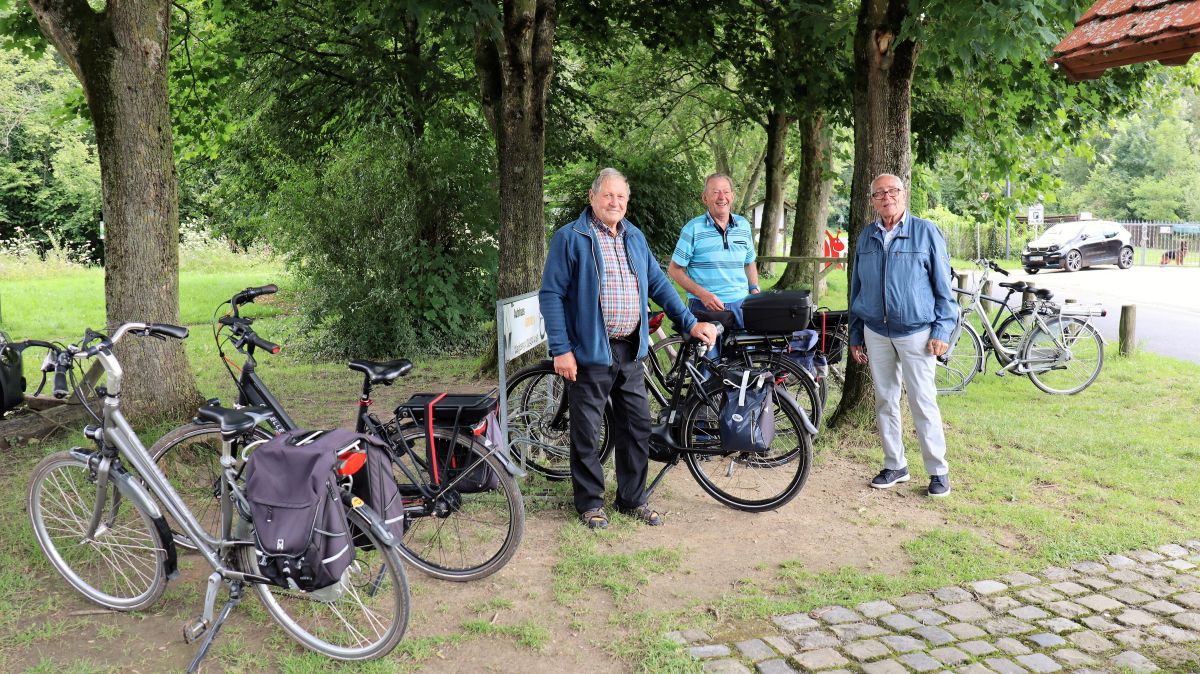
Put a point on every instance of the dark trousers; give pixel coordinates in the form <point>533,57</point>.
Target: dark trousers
<point>625,383</point>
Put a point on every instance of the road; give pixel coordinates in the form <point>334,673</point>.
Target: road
<point>1167,300</point>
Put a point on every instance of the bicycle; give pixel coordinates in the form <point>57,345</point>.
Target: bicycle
<point>1057,347</point>
<point>452,533</point>
<point>683,429</point>
<point>101,527</point>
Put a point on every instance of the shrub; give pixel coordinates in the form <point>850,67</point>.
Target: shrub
<point>393,244</point>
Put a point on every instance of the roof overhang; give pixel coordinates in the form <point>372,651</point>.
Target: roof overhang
<point>1115,33</point>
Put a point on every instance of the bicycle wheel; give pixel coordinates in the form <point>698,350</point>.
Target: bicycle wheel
<point>362,617</point>
<point>961,363</point>
<point>830,387</point>
<point>121,566</point>
<point>1011,333</point>
<point>539,421</point>
<point>658,365</point>
<point>458,534</point>
<point>1064,356</point>
<point>190,457</point>
<point>750,481</point>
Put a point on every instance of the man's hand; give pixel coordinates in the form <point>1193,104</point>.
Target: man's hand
<point>710,301</point>
<point>859,354</point>
<point>937,347</point>
<point>705,332</point>
<point>565,366</point>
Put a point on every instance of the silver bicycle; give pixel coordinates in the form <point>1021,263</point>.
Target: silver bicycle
<point>1056,346</point>
<point>96,516</point>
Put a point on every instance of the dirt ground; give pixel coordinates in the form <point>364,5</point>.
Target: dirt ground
<point>835,522</point>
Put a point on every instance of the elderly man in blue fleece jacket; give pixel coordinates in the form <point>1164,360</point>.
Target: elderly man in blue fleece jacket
<point>901,314</point>
<point>599,274</point>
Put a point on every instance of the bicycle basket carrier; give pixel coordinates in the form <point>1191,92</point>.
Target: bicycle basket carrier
<point>450,461</point>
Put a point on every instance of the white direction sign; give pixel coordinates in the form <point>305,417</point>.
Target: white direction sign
<point>522,326</point>
<point>1037,214</point>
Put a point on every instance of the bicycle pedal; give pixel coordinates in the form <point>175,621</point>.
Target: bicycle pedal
<point>195,630</point>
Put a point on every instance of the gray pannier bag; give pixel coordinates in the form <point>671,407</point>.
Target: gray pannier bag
<point>300,527</point>
<point>748,412</point>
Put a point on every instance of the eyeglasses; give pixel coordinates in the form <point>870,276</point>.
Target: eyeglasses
<point>892,192</point>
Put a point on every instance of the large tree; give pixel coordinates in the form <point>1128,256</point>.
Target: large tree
<point>120,55</point>
<point>514,60</point>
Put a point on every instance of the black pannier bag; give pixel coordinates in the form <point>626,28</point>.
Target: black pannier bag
<point>777,311</point>
<point>375,484</point>
<point>303,538</point>
<point>450,459</point>
<point>748,412</point>
<point>12,383</point>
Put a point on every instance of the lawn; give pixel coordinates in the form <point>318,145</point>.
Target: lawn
<point>1038,480</point>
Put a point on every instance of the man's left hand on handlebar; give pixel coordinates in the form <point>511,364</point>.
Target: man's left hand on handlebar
<point>937,347</point>
<point>705,332</point>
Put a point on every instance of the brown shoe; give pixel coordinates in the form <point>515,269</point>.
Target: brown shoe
<point>594,519</point>
<point>646,515</point>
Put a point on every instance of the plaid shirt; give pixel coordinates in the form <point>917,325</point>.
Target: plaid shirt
<point>619,287</point>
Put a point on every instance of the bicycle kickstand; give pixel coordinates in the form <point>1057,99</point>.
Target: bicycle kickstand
<point>658,478</point>
<point>206,622</point>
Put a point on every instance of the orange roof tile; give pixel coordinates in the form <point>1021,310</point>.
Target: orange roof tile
<point>1119,32</point>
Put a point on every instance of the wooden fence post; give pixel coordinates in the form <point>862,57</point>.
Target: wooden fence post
<point>1128,330</point>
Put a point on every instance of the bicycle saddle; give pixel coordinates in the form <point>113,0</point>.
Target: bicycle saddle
<point>725,318</point>
<point>1015,285</point>
<point>382,373</point>
<point>233,421</point>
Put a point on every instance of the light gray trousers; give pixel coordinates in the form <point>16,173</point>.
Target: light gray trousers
<point>906,359</point>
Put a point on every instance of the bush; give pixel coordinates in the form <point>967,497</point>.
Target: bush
<point>393,244</point>
<point>664,195</point>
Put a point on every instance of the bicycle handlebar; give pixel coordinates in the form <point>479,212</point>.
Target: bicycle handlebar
<point>249,294</point>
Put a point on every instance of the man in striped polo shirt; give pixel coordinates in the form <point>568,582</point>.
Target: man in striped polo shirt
<point>714,258</point>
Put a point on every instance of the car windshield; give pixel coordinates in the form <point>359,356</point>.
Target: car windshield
<point>1063,231</point>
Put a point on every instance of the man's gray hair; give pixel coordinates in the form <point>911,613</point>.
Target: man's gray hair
<point>887,175</point>
<point>607,174</point>
<point>713,176</point>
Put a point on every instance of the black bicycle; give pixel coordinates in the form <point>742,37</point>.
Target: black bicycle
<point>686,428</point>
<point>465,515</point>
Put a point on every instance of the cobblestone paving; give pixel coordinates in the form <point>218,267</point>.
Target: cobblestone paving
<point>1130,613</point>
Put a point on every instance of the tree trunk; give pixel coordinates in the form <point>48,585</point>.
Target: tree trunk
<point>120,56</point>
<point>812,197</point>
<point>883,73</point>
<point>777,129</point>
<point>514,63</point>
<point>751,186</point>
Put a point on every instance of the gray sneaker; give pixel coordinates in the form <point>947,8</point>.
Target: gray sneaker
<point>887,478</point>
<point>939,485</point>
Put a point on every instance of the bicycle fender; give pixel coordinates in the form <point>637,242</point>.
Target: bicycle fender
<point>808,424</point>
<point>504,454</point>
<point>373,519</point>
<point>132,489</point>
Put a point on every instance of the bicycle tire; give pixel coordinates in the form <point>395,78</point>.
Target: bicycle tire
<point>1011,332</point>
<point>121,567</point>
<point>961,363</point>
<point>539,424</point>
<point>458,536</point>
<point>190,458</point>
<point>1065,360</point>
<point>831,391</point>
<point>752,482</point>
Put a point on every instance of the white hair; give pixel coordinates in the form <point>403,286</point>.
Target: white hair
<point>606,175</point>
<point>887,175</point>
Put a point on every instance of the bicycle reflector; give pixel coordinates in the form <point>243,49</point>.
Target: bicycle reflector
<point>351,459</point>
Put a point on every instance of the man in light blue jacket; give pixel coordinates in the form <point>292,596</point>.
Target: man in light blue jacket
<point>901,313</point>
<point>599,274</point>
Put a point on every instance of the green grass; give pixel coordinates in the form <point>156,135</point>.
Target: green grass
<point>584,563</point>
<point>526,633</point>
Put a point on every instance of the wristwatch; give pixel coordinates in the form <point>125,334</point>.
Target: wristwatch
<point>754,286</point>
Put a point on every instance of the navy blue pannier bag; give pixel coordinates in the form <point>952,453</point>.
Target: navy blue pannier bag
<point>747,421</point>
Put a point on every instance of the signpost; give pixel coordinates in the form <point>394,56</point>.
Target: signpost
<point>1037,216</point>
<point>519,328</point>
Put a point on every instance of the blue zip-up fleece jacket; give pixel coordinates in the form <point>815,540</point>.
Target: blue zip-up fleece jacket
<point>906,289</point>
<point>570,294</point>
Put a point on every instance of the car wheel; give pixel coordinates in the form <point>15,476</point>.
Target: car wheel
<point>1073,261</point>
<point>1125,258</point>
<point>1032,270</point>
